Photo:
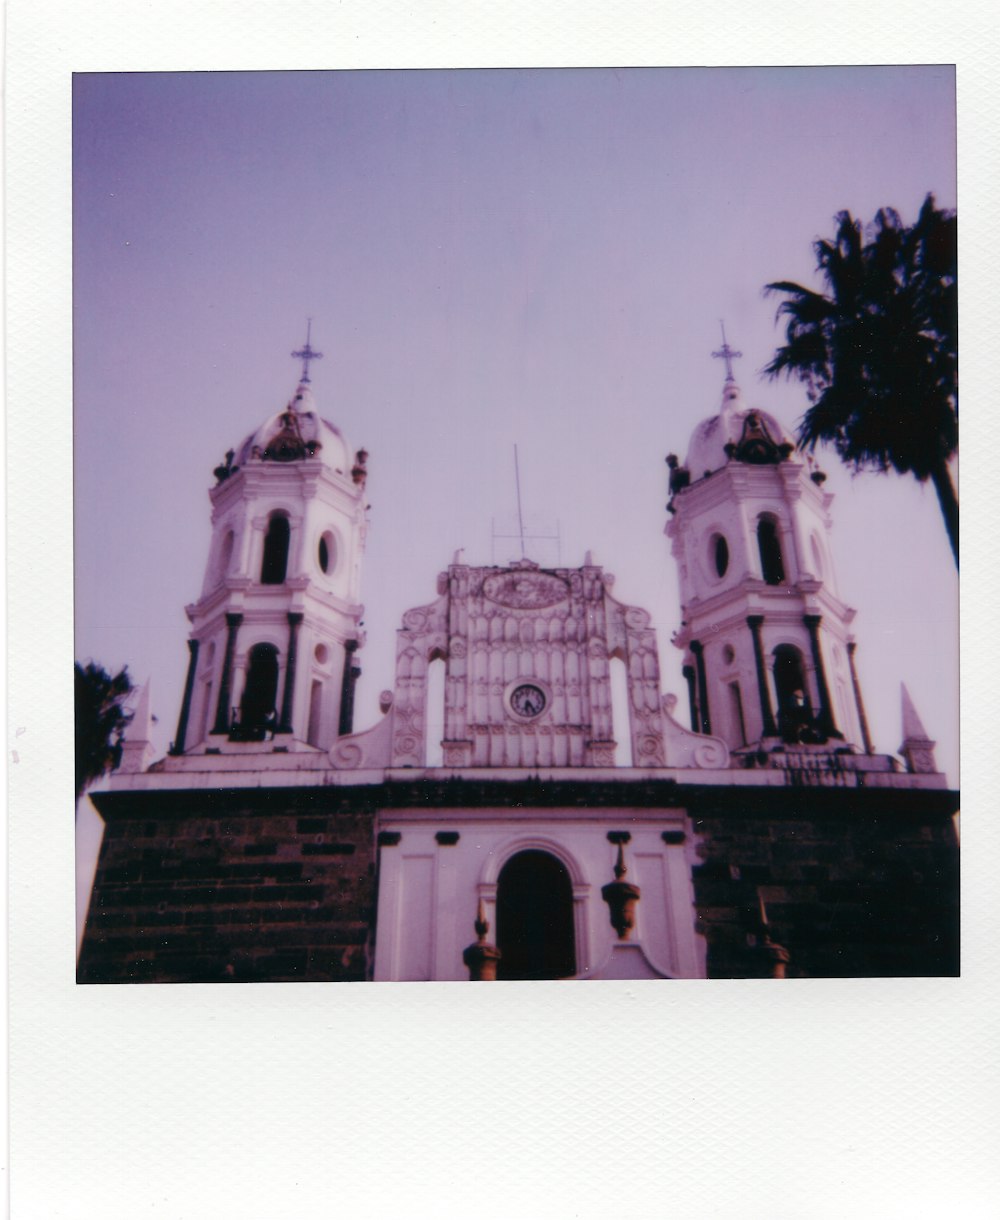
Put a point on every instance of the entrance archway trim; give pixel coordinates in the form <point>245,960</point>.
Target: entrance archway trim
<point>513,847</point>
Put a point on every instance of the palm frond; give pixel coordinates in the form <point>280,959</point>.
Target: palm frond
<point>876,349</point>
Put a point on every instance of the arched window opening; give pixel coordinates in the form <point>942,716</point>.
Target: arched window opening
<point>315,713</point>
<point>206,710</point>
<point>226,553</point>
<point>843,704</point>
<point>258,707</point>
<point>771,564</point>
<point>275,563</point>
<point>736,714</point>
<point>434,717</point>
<point>535,918</point>
<point>620,712</point>
<point>794,709</point>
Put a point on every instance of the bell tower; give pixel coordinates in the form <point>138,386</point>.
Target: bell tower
<point>768,648</point>
<point>275,631</point>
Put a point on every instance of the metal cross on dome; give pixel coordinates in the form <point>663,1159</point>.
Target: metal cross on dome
<point>306,354</point>
<point>726,353</point>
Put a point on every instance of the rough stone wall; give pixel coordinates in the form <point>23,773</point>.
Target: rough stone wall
<point>856,892</point>
<point>275,887</point>
<point>278,885</point>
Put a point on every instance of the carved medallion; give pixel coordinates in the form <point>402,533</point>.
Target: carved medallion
<point>636,619</point>
<point>522,590</point>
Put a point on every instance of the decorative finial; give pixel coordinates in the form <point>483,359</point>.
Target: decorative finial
<point>620,895</point>
<point>917,748</point>
<point>306,354</point>
<point>726,353</point>
<point>481,959</point>
<point>774,958</point>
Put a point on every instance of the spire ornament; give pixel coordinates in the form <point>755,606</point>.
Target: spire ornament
<point>917,748</point>
<point>727,353</point>
<point>306,354</point>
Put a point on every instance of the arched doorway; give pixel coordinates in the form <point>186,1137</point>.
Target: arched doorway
<point>260,695</point>
<point>535,918</point>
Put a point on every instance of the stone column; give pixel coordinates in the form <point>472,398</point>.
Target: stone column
<point>859,702</point>
<point>222,711</point>
<point>294,623</point>
<point>699,660</point>
<point>688,673</point>
<point>182,722</point>
<point>755,622</point>
<point>351,674</point>
<point>826,721</point>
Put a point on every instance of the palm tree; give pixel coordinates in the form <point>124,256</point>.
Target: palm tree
<point>101,720</point>
<point>878,351</point>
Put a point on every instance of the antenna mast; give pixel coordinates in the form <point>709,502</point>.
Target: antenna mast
<point>520,516</point>
<point>525,531</point>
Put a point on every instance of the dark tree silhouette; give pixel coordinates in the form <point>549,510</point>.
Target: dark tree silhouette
<point>101,720</point>
<point>878,351</point>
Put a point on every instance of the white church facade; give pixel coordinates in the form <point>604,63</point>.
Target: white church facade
<point>767,838</point>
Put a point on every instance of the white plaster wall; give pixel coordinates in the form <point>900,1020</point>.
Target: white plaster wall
<point>428,893</point>
<point>333,504</point>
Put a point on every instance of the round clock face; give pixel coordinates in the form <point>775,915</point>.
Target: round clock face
<point>527,700</point>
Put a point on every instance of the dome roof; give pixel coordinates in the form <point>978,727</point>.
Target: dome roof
<point>297,432</point>
<point>733,425</point>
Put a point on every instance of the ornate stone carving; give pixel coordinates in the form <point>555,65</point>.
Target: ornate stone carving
<point>347,754</point>
<point>372,748</point>
<point>457,753</point>
<point>636,619</point>
<point>525,590</point>
<point>553,632</point>
<point>757,446</point>
<point>601,753</point>
<point>687,749</point>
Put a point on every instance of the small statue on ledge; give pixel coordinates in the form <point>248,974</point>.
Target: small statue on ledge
<point>227,469</point>
<point>796,723</point>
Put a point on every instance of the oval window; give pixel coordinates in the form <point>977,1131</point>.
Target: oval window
<point>720,553</point>
<point>327,553</point>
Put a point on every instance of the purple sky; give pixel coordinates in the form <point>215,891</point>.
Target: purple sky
<point>489,257</point>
